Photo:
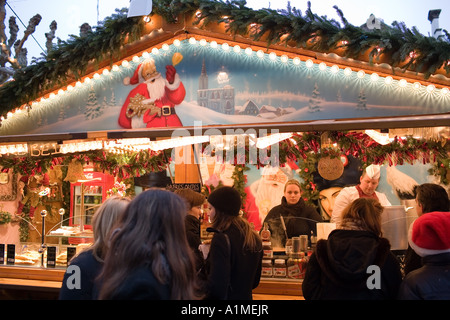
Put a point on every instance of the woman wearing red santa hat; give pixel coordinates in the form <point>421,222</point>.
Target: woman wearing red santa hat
<point>152,103</point>
<point>430,238</point>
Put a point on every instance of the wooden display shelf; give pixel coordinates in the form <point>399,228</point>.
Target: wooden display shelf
<point>279,287</point>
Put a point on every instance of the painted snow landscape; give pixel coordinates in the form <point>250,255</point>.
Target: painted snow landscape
<point>254,90</point>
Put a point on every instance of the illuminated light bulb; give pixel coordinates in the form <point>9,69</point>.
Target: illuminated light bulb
<point>361,74</point>
<point>272,56</point>
<point>70,87</point>
<point>403,83</point>
<point>145,55</point>
<point>445,91</point>
<point>213,44</point>
<point>9,114</point>
<point>87,80</point>
<point>284,58</point>
<point>52,95</point>
<point>136,59</point>
<point>60,91</point>
<point>125,64</point>
<point>374,77</point>
<point>260,54</point>
<point>388,80</point>
<point>226,47</point>
<point>348,71</point>
<point>296,61</point>
<point>192,40</point>
<point>165,47</point>
<point>309,63</point>
<point>248,51</point>
<point>237,49</point>
<point>417,85</point>
<point>105,72</point>
<point>334,69</point>
<point>155,51</point>
<point>322,66</point>
<point>431,88</point>
<point>176,43</point>
<point>115,68</point>
<point>96,76</point>
<point>203,42</point>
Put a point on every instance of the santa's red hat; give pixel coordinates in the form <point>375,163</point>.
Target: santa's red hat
<point>430,234</point>
<point>137,75</point>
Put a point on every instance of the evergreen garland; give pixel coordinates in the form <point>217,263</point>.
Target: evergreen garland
<point>68,60</point>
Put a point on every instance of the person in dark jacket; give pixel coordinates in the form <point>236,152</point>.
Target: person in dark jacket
<point>430,197</point>
<point>298,217</point>
<point>429,237</point>
<point>194,205</point>
<point>354,263</point>
<point>90,261</point>
<point>149,256</point>
<point>235,255</point>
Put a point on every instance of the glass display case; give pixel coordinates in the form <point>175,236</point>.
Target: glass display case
<point>86,196</point>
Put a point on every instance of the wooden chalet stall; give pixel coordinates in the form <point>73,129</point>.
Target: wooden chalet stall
<point>250,96</point>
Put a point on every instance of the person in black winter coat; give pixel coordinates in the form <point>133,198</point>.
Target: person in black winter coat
<point>430,197</point>
<point>194,204</point>
<point>430,239</point>
<point>298,217</point>
<point>90,261</point>
<point>354,263</point>
<point>235,255</point>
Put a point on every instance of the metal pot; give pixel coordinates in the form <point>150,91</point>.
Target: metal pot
<point>395,222</point>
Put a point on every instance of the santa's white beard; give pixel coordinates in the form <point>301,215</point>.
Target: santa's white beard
<point>156,89</point>
<point>267,195</point>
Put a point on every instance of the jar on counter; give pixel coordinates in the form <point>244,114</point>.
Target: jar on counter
<point>279,268</point>
<point>267,268</point>
<point>267,250</point>
<point>293,266</point>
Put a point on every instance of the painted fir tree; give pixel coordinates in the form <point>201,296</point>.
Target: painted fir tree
<point>362,101</point>
<point>314,101</point>
<point>93,108</point>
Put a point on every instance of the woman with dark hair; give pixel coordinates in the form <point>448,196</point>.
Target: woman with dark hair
<point>355,262</point>
<point>235,256</point>
<point>149,256</point>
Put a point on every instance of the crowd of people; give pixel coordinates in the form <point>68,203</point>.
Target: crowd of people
<point>150,247</point>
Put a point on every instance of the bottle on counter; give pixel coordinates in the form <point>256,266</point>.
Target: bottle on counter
<point>303,262</point>
<point>288,247</point>
<point>265,232</point>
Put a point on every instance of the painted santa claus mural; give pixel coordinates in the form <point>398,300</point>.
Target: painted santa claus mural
<point>152,102</point>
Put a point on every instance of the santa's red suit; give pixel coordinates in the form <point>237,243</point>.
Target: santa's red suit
<point>173,94</point>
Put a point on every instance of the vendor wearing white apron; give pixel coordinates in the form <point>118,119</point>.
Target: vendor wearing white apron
<point>366,188</point>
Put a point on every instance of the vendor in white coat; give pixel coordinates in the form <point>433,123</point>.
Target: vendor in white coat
<point>368,182</point>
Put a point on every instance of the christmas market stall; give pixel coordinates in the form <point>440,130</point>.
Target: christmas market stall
<point>201,94</point>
